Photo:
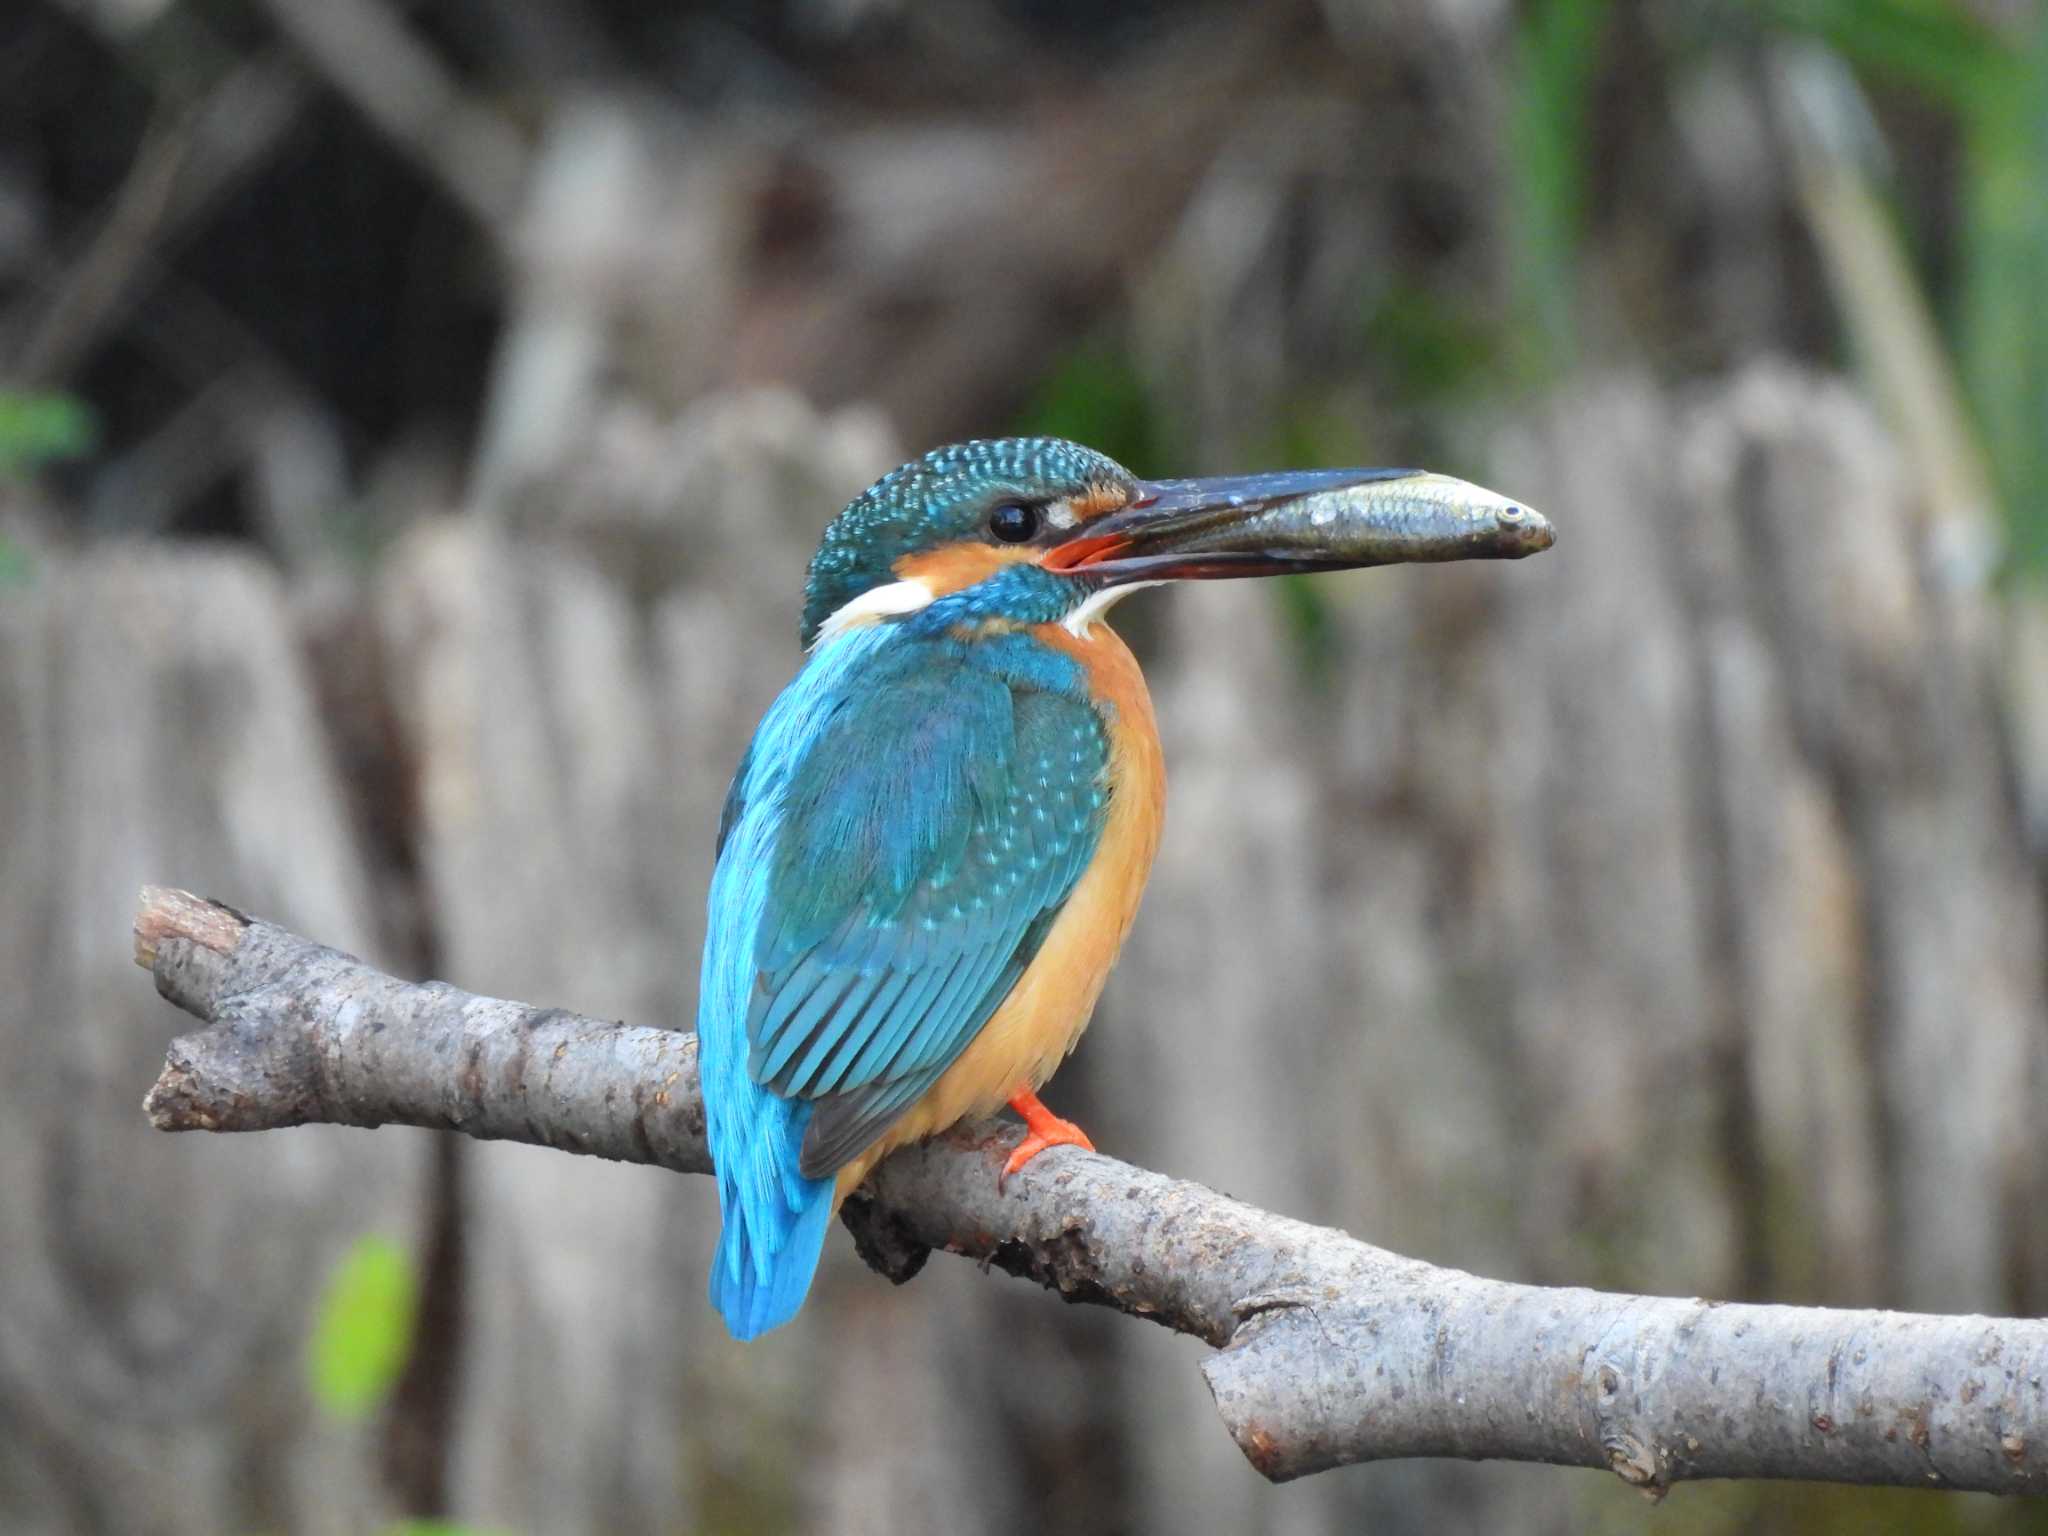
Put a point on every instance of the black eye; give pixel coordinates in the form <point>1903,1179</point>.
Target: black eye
<point>1013,522</point>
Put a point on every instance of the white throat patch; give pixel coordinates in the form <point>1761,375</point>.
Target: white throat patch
<point>876,603</point>
<point>1096,604</point>
<point>900,597</point>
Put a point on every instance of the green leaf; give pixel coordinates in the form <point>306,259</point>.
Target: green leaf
<point>362,1332</point>
<point>15,569</point>
<point>1936,47</point>
<point>2003,315</point>
<point>1557,54</point>
<point>37,428</point>
<point>1305,615</point>
<point>1431,347</point>
<point>1094,396</point>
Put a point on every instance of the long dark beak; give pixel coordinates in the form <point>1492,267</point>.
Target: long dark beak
<point>1298,520</point>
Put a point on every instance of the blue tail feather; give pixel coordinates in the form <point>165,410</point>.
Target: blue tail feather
<point>758,1288</point>
<point>774,1218</point>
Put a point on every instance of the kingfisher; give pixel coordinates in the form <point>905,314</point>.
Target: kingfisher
<point>935,845</point>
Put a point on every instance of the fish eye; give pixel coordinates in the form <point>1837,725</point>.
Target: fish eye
<point>1511,514</point>
<point>1013,522</point>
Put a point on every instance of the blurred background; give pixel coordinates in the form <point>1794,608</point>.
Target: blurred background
<point>414,422</point>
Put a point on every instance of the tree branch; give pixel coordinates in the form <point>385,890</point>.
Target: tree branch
<point>1329,1351</point>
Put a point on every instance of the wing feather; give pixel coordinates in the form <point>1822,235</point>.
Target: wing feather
<point>926,829</point>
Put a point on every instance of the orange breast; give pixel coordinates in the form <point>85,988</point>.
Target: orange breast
<point>1045,1013</point>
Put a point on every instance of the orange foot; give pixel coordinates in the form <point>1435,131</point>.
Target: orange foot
<point>1046,1130</point>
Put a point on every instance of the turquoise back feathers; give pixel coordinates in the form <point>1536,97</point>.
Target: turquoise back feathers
<point>911,816</point>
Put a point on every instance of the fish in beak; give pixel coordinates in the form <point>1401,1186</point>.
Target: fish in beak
<point>1298,520</point>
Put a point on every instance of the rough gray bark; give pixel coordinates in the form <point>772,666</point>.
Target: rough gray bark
<point>153,1309</point>
<point>1330,1351</point>
<point>556,1423</point>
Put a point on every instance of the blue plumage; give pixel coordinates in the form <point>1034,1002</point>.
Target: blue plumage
<point>913,812</point>
<point>918,808</point>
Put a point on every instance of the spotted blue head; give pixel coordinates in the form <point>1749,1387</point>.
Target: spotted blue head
<point>978,505</point>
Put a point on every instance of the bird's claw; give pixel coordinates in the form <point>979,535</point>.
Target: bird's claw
<point>1045,1129</point>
